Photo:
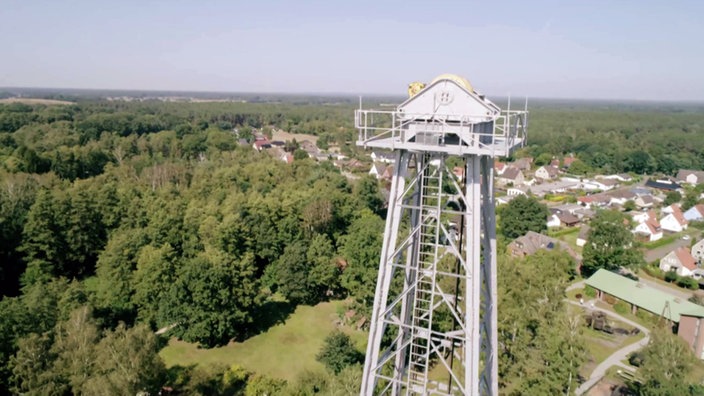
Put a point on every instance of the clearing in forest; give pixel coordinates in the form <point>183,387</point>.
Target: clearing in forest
<point>284,351</point>
<point>284,136</point>
<point>30,101</point>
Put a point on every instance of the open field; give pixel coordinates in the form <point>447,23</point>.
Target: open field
<point>31,101</point>
<point>284,351</point>
<point>284,136</point>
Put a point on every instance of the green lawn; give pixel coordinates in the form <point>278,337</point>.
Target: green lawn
<point>601,345</point>
<point>284,351</point>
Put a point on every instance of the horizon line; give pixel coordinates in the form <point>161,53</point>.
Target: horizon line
<point>344,94</point>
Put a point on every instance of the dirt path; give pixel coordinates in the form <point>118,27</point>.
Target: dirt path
<point>615,358</point>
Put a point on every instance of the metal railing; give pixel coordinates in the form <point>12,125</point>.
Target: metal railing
<point>500,133</point>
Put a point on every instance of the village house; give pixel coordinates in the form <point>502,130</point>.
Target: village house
<point>383,156</point>
<point>511,175</point>
<point>261,144</point>
<point>650,229</point>
<point>603,184</point>
<point>286,157</point>
<point>692,177</point>
<point>557,187</point>
<point>388,173</point>
<point>621,197</point>
<point>547,172</point>
<point>639,217</point>
<point>569,208</point>
<point>583,235</point>
<point>531,242</point>
<point>517,190</point>
<point>558,218</point>
<point>674,221</point>
<point>584,213</point>
<point>698,252</point>
<point>503,200</point>
<point>622,177</point>
<point>568,219</point>
<point>499,167</point>
<point>567,161</point>
<point>665,185</point>
<point>458,171</point>
<point>523,164</point>
<point>553,221</point>
<point>695,213</point>
<point>680,261</point>
<point>645,201</point>
<point>594,201</point>
<point>377,170</point>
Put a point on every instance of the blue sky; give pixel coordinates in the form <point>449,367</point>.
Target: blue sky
<point>619,49</point>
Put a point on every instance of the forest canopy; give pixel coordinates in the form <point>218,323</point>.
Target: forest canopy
<point>122,218</point>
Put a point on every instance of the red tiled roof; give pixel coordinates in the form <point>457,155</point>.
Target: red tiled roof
<point>700,209</point>
<point>677,213</point>
<point>685,258</point>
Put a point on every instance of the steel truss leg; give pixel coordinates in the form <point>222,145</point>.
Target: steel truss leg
<point>402,366</point>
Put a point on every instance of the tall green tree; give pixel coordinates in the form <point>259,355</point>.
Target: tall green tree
<point>667,365</point>
<point>521,215</point>
<point>115,272</point>
<point>367,191</point>
<point>289,274</point>
<point>672,197</point>
<point>127,362</point>
<point>42,245</point>
<point>214,298</point>
<point>540,348</point>
<point>156,271</point>
<point>609,244</point>
<point>33,367</point>
<point>361,247</point>
<point>74,346</point>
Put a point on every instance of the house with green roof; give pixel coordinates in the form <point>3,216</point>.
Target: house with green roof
<point>688,316</point>
<point>640,296</point>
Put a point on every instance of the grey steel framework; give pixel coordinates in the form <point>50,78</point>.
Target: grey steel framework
<point>433,325</point>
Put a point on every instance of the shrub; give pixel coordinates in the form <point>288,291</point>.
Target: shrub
<point>646,316</point>
<point>654,271</point>
<point>589,291</point>
<point>635,359</point>
<point>630,276</point>
<point>338,352</point>
<point>671,276</point>
<point>578,296</point>
<point>697,224</point>
<point>688,283</point>
<point>621,307</point>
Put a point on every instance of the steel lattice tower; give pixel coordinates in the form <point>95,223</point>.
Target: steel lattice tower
<point>433,325</point>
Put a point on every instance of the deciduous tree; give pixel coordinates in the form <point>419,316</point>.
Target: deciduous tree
<point>338,352</point>
<point>521,215</point>
<point>609,244</point>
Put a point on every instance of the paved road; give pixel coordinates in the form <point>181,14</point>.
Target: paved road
<point>616,357</point>
<point>662,251</point>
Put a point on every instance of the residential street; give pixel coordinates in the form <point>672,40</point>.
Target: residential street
<point>662,251</point>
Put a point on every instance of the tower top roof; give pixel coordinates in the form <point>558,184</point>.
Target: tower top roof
<point>461,81</point>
